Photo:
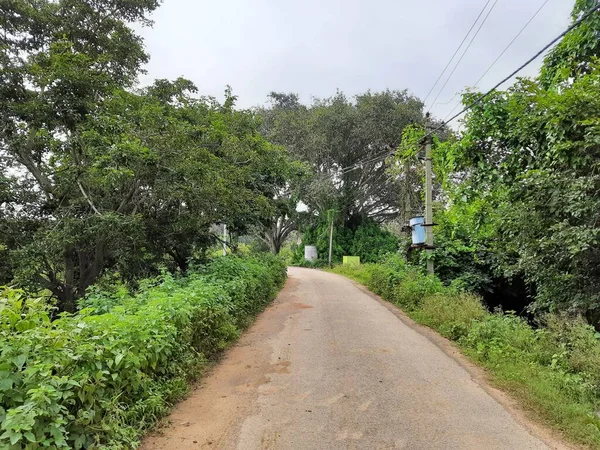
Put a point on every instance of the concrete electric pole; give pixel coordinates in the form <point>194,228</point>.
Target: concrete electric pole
<point>224,240</point>
<point>331,213</point>
<point>428,199</point>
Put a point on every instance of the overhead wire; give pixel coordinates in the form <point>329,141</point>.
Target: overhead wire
<point>456,51</point>
<point>385,154</point>
<point>575,24</point>
<point>479,99</point>
<point>502,53</point>
<point>512,41</point>
<point>464,53</point>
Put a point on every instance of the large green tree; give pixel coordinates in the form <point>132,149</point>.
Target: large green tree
<point>99,176</point>
<point>59,61</point>
<point>529,158</point>
<point>337,133</point>
<point>573,56</point>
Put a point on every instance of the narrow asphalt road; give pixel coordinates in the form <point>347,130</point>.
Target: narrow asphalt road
<point>328,366</point>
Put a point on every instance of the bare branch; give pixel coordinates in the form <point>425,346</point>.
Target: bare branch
<point>87,198</point>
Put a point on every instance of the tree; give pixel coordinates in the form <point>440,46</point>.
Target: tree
<point>216,168</point>
<point>531,155</point>
<point>97,176</point>
<point>573,56</point>
<point>335,134</point>
<point>287,217</point>
<point>59,61</point>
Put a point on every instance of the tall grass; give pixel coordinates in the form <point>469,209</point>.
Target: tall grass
<point>553,370</point>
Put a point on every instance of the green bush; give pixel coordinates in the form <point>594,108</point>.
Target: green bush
<point>499,336</point>
<point>387,275</point>
<point>97,379</point>
<point>579,343</point>
<point>372,243</point>
<point>361,273</point>
<point>414,287</point>
<point>369,241</point>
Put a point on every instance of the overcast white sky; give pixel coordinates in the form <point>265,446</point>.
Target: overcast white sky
<point>313,47</point>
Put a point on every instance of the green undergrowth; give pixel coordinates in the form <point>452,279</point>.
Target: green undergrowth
<point>99,378</point>
<point>554,369</point>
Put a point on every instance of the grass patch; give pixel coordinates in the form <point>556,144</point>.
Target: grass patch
<point>452,315</point>
<point>554,370</point>
<point>359,273</point>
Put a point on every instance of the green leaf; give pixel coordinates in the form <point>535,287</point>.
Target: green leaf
<point>19,361</point>
<point>6,384</point>
<point>30,436</point>
<point>15,437</point>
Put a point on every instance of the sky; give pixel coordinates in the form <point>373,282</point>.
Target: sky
<point>315,47</point>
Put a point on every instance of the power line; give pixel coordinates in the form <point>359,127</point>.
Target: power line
<point>465,52</point>
<point>500,55</point>
<point>456,52</point>
<point>511,42</point>
<point>521,67</point>
<point>452,110</point>
<point>487,94</point>
<point>384,155</point>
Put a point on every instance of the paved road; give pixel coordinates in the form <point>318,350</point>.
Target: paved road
<point>330,367</point>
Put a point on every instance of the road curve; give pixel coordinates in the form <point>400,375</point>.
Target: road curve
<point>328,367</point>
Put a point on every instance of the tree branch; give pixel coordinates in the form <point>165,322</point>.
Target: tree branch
<point>25,158</point>
<point>128,197</point>
<point>87,198</point>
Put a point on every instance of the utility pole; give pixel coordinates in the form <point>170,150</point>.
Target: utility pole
<point>428,198</point>
<point>331,213</point>
<point>224,239</point>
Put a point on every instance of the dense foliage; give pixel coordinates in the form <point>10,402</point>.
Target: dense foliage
<point>329,136</point>
<point>97,379</point>
<point>519,207</point>
<point>336,133</point>
<point>103,186</point>
<point>553,369</point>
<point>369,241</point>
<point>97,177</point>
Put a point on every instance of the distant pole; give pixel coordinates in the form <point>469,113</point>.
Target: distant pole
<point>224,239</point>
<point>331,239</point>
<point>428,199</point>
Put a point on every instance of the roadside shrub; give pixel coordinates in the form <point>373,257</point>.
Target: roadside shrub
<point>97,379</point>
<point>414,287</point>
<point>383,280</point>
<point>578,342</point>
<point>451,314</point>
<point>536,365</point>
<point>361,273</point>
<point>371,242</point>
<point>384,277</point>
<point>498,335</point>
<point>287,253</point>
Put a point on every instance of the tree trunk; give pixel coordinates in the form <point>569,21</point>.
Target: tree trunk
<point>66,292</point>
<point>90,268</point>
<point>276,245</point>
<point>181,261</point>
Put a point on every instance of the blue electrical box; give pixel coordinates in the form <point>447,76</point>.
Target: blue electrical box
<point>418,230</point>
